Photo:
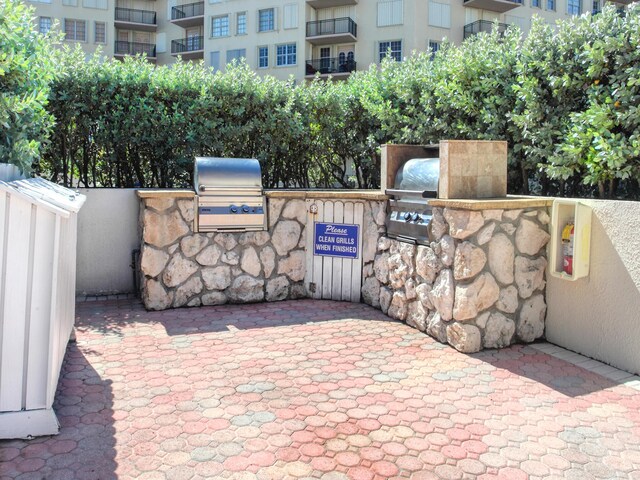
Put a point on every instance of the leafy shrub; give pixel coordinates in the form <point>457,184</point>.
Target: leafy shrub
<point>565,98</point>
<point>25,72</point>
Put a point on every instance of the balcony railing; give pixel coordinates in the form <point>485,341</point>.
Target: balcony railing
<point>186,11</point>
<point>334,26</point>
<point>333,66</point>
<point>135,48</point>
<point>186,45</point>
<point>483,26</point>
<point>135,16</point>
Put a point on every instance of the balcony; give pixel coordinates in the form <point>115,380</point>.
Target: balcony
<point>132,19</point>
<point>189,15</point>
<point>189,48</point>
<point>337,67</point>
<point>500,6</point>
<point>335,30</point>
<point>483,26</point>
<point>330,3</point>
<point>135,48</point>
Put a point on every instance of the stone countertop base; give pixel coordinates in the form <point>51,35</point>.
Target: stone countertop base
<point>300,194</point>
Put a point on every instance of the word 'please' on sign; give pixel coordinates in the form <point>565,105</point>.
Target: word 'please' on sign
<point>336,240</point>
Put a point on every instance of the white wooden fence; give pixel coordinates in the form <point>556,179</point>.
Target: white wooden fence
<point>38,230</point>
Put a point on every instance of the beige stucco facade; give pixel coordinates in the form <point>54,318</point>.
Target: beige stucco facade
<point>286,38</point>
<point>598,316</point>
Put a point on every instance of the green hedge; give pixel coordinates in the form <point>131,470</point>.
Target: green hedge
<point>565,98</point>
<point>25,72</point>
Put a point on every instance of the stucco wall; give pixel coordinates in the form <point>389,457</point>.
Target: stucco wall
<point>599,316</point>
<point>107,234</point>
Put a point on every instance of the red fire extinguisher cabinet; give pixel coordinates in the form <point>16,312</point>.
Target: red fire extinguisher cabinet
<point>565,211</point>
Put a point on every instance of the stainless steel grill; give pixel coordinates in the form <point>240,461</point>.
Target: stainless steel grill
<point>416,181</point>
<point>229,195</point>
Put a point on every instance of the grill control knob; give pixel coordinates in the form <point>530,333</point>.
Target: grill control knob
<point>416,218</point>
<point>234,209</point>
<point>245,209</point>
<point>407,216</point>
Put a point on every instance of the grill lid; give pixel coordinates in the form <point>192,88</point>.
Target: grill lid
<point>215,173</point>
<point>418,174</point>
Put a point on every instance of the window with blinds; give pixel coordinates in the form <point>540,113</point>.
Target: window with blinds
<point>215,60</point>
<point>44,25</point>
<point>439,14</point>
<point>390,12</point>
<point>99,4</point>
<point>236,54</point>
<point>290,12</point>
<point>266,20</point>
<point>220,26</point>
<point>75,30</point>
<point>100,32</point>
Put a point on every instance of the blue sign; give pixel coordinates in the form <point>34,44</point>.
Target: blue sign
<point>335,240</point>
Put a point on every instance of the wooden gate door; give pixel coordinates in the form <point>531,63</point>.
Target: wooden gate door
<point>336,272</point>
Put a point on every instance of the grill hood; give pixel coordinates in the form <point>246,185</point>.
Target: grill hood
<point>214,173</point>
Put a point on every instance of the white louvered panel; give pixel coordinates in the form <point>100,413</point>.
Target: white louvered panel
<point>347,270</point>
<point>290,16</point>
<point>336,271</point>
<point>327,262</point>
<point>15,294</point>
<point>390,12</point>
<point>40,310</point>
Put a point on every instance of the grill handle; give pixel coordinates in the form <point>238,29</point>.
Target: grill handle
<point>205,188</point>
<point>412,193</point>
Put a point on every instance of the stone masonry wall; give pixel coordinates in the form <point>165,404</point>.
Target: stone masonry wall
<point>182,268</point>
<point>480,283</point>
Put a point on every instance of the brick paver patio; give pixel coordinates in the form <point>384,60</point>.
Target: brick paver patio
<point>317,389</point>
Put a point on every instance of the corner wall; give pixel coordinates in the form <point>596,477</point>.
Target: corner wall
<point>107,234</point>
<point>599,316</point>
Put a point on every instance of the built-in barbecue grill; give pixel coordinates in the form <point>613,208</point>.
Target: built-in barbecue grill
<point>229,195</point>
<point>416,181</point>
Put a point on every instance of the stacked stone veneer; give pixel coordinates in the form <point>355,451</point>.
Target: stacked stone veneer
<point>480,283</point>
<point>182,268</point>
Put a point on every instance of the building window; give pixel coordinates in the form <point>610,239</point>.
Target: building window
<point>241,23</point>
<point>392,49</point>
<point>99,4</point>
<point>220,26</point>
<point>263,57</point>
<point>75,30</point>
<point>70,3</point>
<point>535,3</point>
<point>100,32</point>
<point>286,54</point>
<point>236,54</point>
<point>597,8</point>
<point>551,5</point>
<point>290,13</point>
<point>574,7</point>
<point>433,48</point>
<point>215,61</point>
<point>266,20</point>
<point>44,25</point>
<point>439,14</point>
<point>390,12</point>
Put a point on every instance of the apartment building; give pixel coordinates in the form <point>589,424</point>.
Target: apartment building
<point>284,38</point>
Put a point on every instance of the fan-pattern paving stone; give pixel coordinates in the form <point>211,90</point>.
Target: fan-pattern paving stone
<point>317,390</point>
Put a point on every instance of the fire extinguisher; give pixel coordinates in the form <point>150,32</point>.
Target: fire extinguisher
<point>567,248</point>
